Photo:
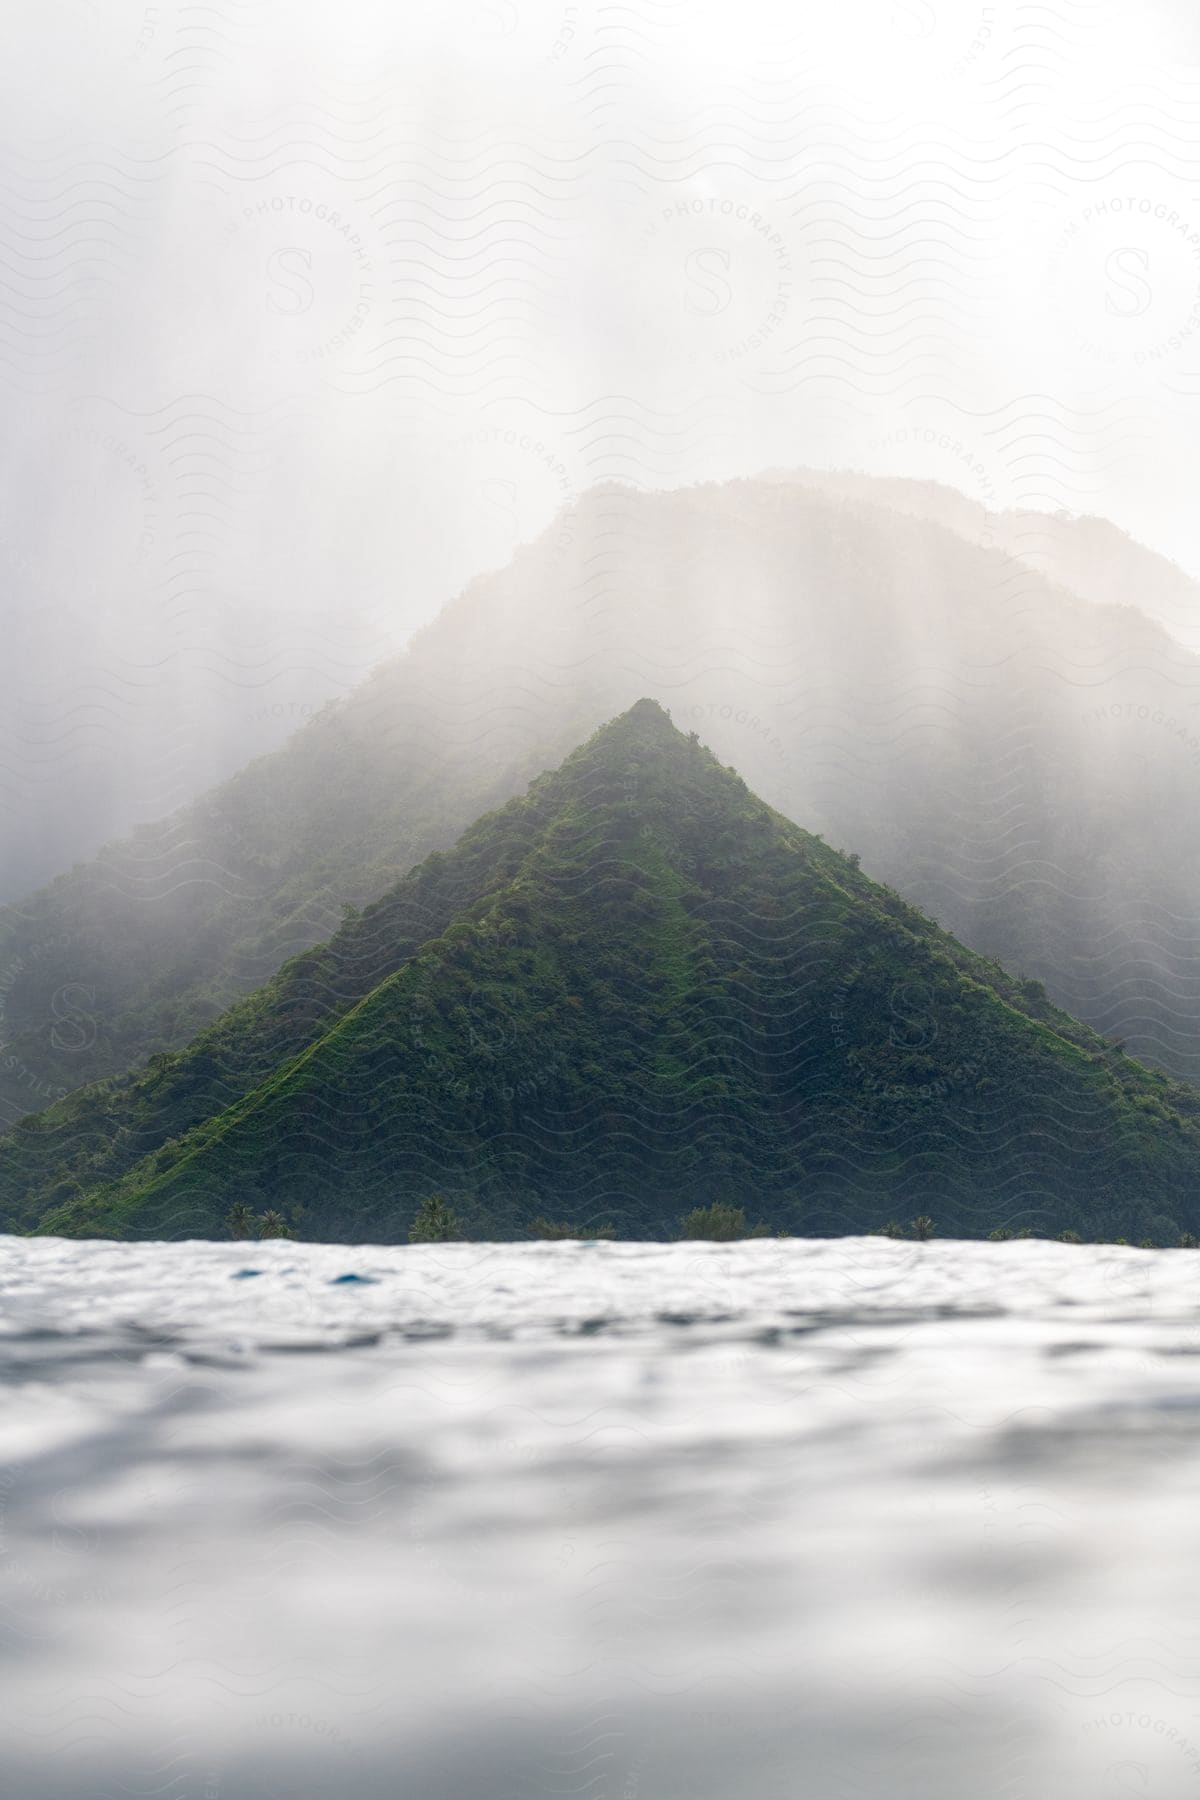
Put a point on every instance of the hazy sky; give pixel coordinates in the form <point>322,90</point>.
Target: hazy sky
<point>308,311</point>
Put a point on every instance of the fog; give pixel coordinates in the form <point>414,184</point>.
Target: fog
<point>309,313</point>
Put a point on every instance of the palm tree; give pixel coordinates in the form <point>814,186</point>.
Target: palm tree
<point>922,1228</point>
<point>240,1222</point>
<point>274,1225</point>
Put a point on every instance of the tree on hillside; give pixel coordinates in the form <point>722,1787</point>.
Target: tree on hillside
<point>435,1222</point>
<point>240,1221</point>
<point>717,1223</point>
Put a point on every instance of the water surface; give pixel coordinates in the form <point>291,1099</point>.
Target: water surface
<point>632,1522</point>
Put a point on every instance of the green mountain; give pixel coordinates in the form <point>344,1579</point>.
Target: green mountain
<point>636,989</point>
<point>989,742</point>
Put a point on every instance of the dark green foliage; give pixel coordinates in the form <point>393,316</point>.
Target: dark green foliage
<point>892,1229</point>
<point>167,929</point>
<point>161,934</point>
<point>1069,1237</point>
<point>922,1228</point>
<point>435,1222</point>
<point>1000,1235</point>
<point>718,1223</point>
<point>1188,1240</point>
<point>634,988</point>
<point>558,1233</point>
<point>241,1222</point>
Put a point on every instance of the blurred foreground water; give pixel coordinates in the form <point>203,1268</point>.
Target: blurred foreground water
<point>849,1518</point>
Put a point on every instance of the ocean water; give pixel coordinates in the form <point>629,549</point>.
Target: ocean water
<point>836,1520</point>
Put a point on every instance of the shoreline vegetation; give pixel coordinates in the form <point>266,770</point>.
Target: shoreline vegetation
<point>436,1222</point>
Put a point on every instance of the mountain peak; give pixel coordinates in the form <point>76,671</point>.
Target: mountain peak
<point>634,990</point>
<point>646,720</point>
<point>649,712</point>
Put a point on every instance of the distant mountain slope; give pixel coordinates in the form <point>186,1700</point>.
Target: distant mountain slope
<point>654,991</point>
<point>1087,554</point>
<point>1018,761</point>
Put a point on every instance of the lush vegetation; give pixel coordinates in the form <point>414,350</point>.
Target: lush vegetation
<point>241,1223</point>
<point>132,955</point>
<point>435,1222</point>
<point>1000,795</point>
<point>720,1223</point>
<point>634,993</point>
<point>97,1134</point>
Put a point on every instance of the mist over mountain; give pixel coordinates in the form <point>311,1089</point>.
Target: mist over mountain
<point>117,716</point>
<point>1085,553</point>
<point>1014,759</point>
<point>633,989</point>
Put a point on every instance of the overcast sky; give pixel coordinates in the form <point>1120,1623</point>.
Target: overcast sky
<point>309,311</point>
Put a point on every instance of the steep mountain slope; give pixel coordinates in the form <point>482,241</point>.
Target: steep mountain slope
<point>100,1131</point>
<point>1019,762</point>
<point>655,990</point>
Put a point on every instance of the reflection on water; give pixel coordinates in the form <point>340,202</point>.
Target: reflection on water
<point>633,1522</point>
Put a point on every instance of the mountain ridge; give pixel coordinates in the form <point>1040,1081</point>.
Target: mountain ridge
<point>660,993</point>
<point>937,706</point>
